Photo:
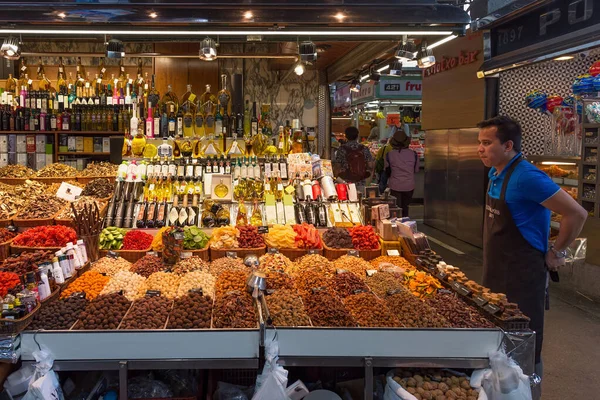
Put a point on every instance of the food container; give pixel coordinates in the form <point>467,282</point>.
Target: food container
<point>130,255</point>
<point>328,188</point>
<point>333,254</point>
<point>294,254</point>
<point>5,249</point>
<point>24,249</point>
<point>241,253</point>
<point>15,326</point>
<point>88,179</point>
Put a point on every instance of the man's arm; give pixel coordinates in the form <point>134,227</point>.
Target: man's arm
<point>571,224</point>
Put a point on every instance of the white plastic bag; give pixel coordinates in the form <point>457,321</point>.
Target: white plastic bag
<point>44,385</point>
<point>393,390</point>
<point>504,380</point>
<point>271,384</point>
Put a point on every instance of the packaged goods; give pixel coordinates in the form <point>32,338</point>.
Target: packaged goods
<point>105,312</point>
<point>91,283</point>
<point>234,309</point>
<point>131,284</point>
<point>191,311</point>
<point>325,309</point>
<point>59,315</point>
<point>338,238</point>
<point>197,280</point>
<point>286,309</point>
<point>147,313</point>
<point>370,311</point>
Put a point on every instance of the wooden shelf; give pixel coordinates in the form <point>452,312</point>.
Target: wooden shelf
<point>76,153</point>
<point>588,125</point>
<point>72,133</point>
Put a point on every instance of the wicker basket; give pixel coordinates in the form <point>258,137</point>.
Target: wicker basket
<point>84,269</point>
<point>130,255</point>
<point>5,249</point>
<point>5,222</point>
<point>103,204</point>
<point>241,253</point>
<point>204,254</point>
<point>87,179</point>
<point>13,181</point>
<point>333,254</point>
<point>14,326</point>
<point>52,298</point>
<point>25,249</point>
<point>50,181</point>
<point>294,254</point>
<point>31,223</point>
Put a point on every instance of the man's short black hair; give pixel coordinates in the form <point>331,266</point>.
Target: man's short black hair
<point>506,129</point>
<point>351,133</point>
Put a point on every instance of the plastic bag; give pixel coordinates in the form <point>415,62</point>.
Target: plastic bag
<point>503,381</point>
<point>271,384</point>
<point>44,385</point>
<point>227,391</point>
<point>393,390</point>
<point>146,387</point>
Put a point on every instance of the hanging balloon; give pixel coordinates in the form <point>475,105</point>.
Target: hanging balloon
<point>552,102</point>
<point>584,84</point>
<point>596,83</point>
<point>595,69</point>
<point>536,100</point>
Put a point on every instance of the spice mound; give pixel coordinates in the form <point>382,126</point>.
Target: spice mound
<point>43,206</point>
<point>46,236</point>
<point>100,188</point>
<point>56,170</point>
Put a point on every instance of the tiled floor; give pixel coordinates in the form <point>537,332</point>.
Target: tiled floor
<point>571,351</point>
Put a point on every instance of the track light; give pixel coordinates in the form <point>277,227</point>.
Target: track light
<point>11,48</point>
<point>307,51</point>
<point>299,69</point>
<point>115,49</point>
<point>406,50</point>
<point>425,57</point>
<point>374,76</point>
<point>208,50</point>
<point>355,86</point>
<point>396,68</point>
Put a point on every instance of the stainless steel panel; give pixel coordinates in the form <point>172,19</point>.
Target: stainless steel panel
<point>453,193</point>
<point>436,158</point>
<point>471,199</point>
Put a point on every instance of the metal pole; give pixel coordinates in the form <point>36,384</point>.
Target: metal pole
<point>368,378</point>
<point>123,380</point>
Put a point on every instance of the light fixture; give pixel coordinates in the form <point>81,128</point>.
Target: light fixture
<point>299,69</point>
<point>153,15</point>
<point>425,57</point>
<point>115,49</point>
<point>384,68</point>
<point>11,48</point>
<point>564,58</point>
<point>248,15</point>
<point>396,68</point>
<point>339,16</point>
<point>208,50</point>
<point>406,50</point>
<point>440,42</point>
<point>364,78</point>
<point>62,15</point>
<point>355,86</point>
<point>307,51</point>
<point>374,76</point>
<point>557,163</point>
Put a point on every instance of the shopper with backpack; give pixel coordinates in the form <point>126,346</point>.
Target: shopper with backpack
<point>353,161</point>
<point>401,164</point>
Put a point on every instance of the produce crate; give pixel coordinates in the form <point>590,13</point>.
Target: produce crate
<point>15,326</point>
<point>130,255</point>
<point>241,253</point>
<point>88,179</point>
<point>24,249</point>
<point>333,254</point>
<point>294,254</point>
<point>202,253</point>
<point>5,249</point>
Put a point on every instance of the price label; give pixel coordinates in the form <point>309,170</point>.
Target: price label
<point>99,80</point>
<point>273,250</point>
<point>358,291</point>
<point>313,251</point>
<point>371,272</point>
<point>152,293</point>
<point>319,289</point>
<point>394,291</point>
<point>61,70</point>
<point>480,301</point>
<point>24,68</point>
<point>151,253</point>
<point>186,254</point>
<point>103,70</point>
<point>353,253</point>
<point>231,254</point>
<point>460,288</point>
<point>29,82</point>
<point>441,275</point>
<point>197,290</point>
<point>130,81</point>
<point>12,228</point>
<point>393,253</point>
<point>341,271</point>
<point>112,254</point>
<point>492,308</point>
<point>263,229</point>
<point>78,295</point>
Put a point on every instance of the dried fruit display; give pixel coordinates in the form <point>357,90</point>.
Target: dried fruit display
<point>307,237</point>
<point>147,313</point>
<point>356,265</point>
<point>338,238</point>
<point>100,188</point>
<point>383,282</point>
<point>25,262</point>
<point>43,206</point>
<point>111,238</point>
<point>370,311</point>
<point>421,284</point>
<point>346,284</point>
<point>59,315</point>
<point>6,235</point>
<point>99,168</point>
<point>278,280</point>
<point>190,264</point>
<point>137,240</point>
<point>315,263</point>
<point>192,311</point>
<point>225,237</point>
<point>223,264</point>
<point>110,266</point>
<point>16,171</point>
<point>413,313</point>
<point>132,285</point>
<point>281,237</point>
<point>274,262</point>
<point>234,309</point>
<point>91,283</point>
<point>105,312</point>
<point>383,263</point>
<point>459,314</point>
<point>249,237</point>
<point>148,265</point>
<point>8,280</point>
<point>306,281</point>
<point>230,281</point>
<point>435,384</point>
<point>46,236</point>
<point>197,280</point>
<point>56,170</point>
<point>165,282</point>
<point>286,309</point>
<point>325,309</point>
<point>364,237</point>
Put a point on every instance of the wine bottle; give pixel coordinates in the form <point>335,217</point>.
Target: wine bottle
<point>254,121</point>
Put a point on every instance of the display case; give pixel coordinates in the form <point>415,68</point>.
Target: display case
<point>588,184</point>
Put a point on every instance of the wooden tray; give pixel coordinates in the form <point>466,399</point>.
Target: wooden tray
<point>241,253</point>
<point>14,326</point>
<point>24,249</point>
<point>294,254</point>
<point>31,223</point>
<point>50,181</point>
<point>5,222</point>
<point>5,249</point>
<point>14,181</point>
<point>333,254</point>
<point>204,254</point>
<point>130,255</point>
<point>88,179</point>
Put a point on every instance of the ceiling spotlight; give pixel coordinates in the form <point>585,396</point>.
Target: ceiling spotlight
<point>563,58</point>
<point>396,68</point>
<point>364,78</point>
<point>62,15</point>
<point>355,86</point>
<point>385,67</point>
<point>339,16</point>
<point>307,51</point>
<point>374,76</point>
<point>153,15</point>
<point>406,50</point>
<point>299,69</point>
<point>115,49</point>
<point>425,57</point>
<point>248,15</point>
<point>208,50</point>
<point>11,48</point>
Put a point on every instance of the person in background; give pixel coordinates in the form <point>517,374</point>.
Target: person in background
<point>516,255</point>
<point>374,135</point>
<point>401,164</point>
<point>382,177</point>
<point>353,161</point>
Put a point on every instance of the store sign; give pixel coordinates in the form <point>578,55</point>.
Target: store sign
<point>366,93</point>
<point>392,120</point>
<point>402,88</point>
<point>558,18</point>
<point>448,63</point>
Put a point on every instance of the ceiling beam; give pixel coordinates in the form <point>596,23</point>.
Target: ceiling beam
<point>362,54</point>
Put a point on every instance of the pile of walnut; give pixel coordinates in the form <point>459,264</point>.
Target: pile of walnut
<point>435,385</point>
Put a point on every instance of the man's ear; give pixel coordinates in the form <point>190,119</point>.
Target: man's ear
<point>509,145</point>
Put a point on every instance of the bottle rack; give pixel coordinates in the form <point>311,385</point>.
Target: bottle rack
<point>589,197</point>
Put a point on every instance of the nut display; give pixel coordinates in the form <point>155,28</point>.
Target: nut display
<point>132,285</point>
<point>110,266</point>
<point>53,187</point>
<point>346,284</point>
<point>274,262</point>
<point>370,311</point>
<point>192,311</point>
<point>435,384</point>
<point>58,315</point>
<point>15,197</point>
<point>56,170</point>
<point>100,188</point>
<point>325,309</point>
<point>356,265</point>
<point>230,281</point>
<point>91,283</point>
<point>413,313</point>
<point>316,263</point>
<point>190,264</point>
<point>306,281</point>
<point>234,309</point>
<point>383,282</point>
<point>101,168</point>
<point>46,236</point>
<point>25,262</point>
<point>16,171</point>
<point>148,265</point>
<point>43,206</point>
<point>166,282</point>
<point>278,280</point>
<point>197,280</point>
<point>338,238</point>
<point>147,313</point>
<point>286,309</point>
<point>80,203</point>
<point>105,312</point>
<point>383,263</point>
<point>457,313</point>
<point>223,264</point>
<point>249,237</point>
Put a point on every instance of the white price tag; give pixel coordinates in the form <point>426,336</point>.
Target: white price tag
<point>68,192</point>
<point>103,70</point>
<point>99,80</point>
<point>393,253</point>
<point>29,82</point>
<point>87,85</point>
<point>130,81</point>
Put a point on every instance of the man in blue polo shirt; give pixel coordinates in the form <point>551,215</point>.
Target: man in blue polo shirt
<point>516,255</point>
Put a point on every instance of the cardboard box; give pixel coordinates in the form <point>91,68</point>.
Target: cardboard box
<point>40,143</point>
<point>387,229</point>
<point>40,161</point>
<point>88,144</point>
<point>79,144</point>
<point>3,143</point>
<point>380,211</point>
<point>106,145</point>
<point>63,143</point>
<point>97,145</point>
<point>21,143</point>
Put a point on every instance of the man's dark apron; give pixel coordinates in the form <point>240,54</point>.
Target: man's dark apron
<point>511,265</point>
